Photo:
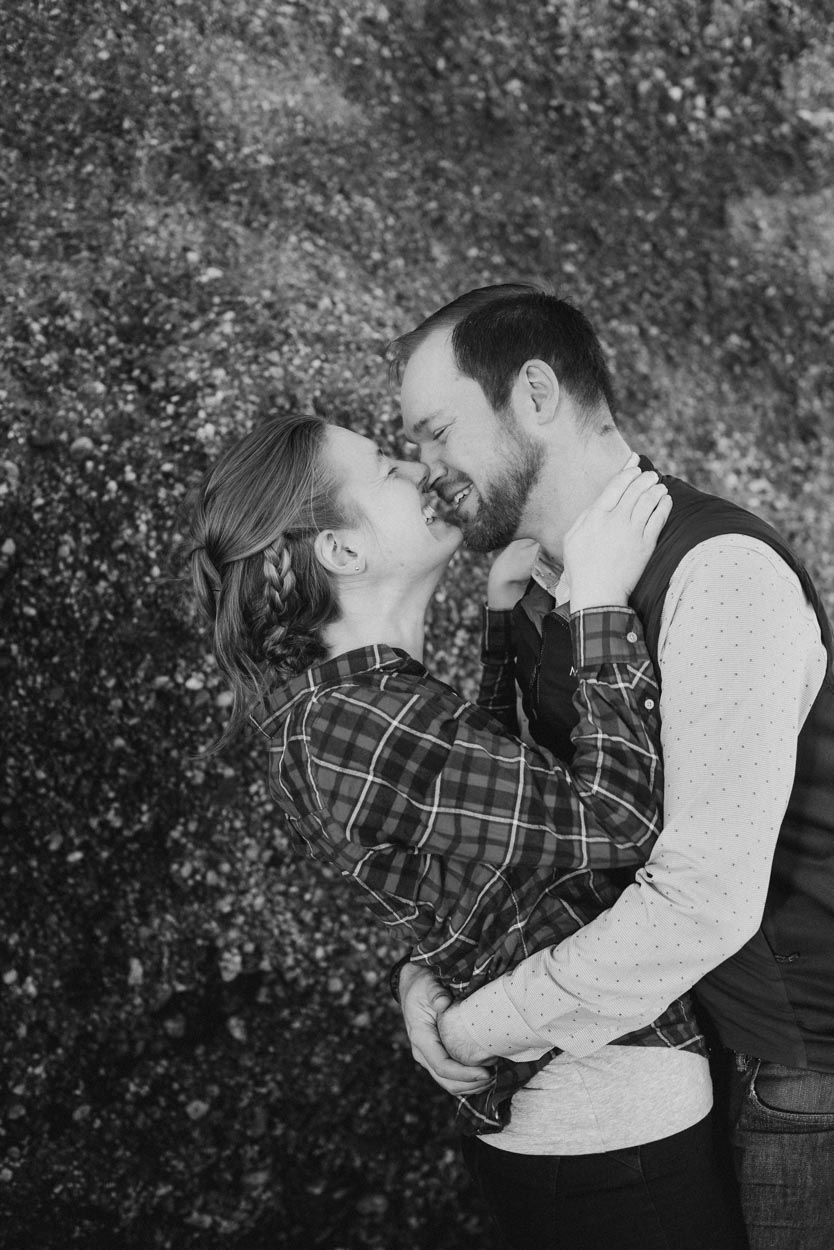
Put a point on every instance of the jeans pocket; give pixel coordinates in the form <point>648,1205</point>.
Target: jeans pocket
<point>793,1097</point>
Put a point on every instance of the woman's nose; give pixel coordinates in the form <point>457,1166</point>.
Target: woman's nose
<point>415,472</point>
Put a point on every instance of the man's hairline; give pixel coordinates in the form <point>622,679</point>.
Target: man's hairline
<point>592,421</point>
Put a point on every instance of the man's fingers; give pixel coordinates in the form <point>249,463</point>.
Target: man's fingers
<point>442,1067</point>
<point>424,1001</point>
<point>454,1077</point>
<point>464,1091</point>
<point>431,1054</point>
<point>458,1089</point>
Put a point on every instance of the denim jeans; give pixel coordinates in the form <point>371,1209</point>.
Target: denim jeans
<point>666,1195</point>
<point>782,1133</point>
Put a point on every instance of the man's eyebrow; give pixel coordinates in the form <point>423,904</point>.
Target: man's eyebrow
<point>423,424</point>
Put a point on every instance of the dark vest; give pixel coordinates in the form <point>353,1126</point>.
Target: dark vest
<point>775,998</point>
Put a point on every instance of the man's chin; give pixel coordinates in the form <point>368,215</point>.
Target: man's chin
<point>480,538</point>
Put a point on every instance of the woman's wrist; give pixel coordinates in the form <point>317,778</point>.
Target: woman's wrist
<point>597,597</point>
<point>502,597</point>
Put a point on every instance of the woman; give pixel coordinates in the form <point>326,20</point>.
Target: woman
<point>315,558</point>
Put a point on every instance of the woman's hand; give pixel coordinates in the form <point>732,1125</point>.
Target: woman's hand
<point>609,545</point>
<point>510,573</point>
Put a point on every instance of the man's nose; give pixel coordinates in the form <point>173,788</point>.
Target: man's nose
<point>415,472</point>
<point>432,466</point>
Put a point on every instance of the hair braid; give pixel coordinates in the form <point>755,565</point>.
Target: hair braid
<point>280,578</point>
<point>254,521</point>
<point>290,638</point>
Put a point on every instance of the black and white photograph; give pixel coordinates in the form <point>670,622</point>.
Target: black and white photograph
<point>417,582</point>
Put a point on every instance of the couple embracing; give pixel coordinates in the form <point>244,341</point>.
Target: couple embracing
<point>604,935</point>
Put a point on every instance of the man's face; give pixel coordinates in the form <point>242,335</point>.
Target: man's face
<point>479,460</point>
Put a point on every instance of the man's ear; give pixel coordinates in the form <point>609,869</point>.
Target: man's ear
<point>336,551</point>
<point>536,392</point>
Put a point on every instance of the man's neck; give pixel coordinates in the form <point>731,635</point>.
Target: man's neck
<point>571,485</point>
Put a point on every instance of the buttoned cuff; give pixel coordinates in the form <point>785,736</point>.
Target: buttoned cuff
<point>606,635</point>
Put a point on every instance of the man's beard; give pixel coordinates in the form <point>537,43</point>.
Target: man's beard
<point>502,505</point>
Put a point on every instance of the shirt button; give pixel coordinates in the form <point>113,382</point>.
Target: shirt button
<point>631,636</point>
<point>648,704</point>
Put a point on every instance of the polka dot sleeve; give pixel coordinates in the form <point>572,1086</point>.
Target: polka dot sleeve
<point>741,661</point>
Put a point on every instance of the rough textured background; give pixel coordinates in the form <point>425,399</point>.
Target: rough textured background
<point>214,209</point>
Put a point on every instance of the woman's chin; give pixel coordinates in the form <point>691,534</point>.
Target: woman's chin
<point>446,533</point>
<point>452,540</point>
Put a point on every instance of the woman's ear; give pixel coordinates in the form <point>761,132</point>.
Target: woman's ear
<point>336,554</point>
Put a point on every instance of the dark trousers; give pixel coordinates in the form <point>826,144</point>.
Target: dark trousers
<point>667,1195</point>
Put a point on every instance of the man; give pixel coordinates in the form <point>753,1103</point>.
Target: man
<point>508,397</point>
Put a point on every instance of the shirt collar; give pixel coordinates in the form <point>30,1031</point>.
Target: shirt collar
<point>550,575</point>
<point>379,658</point>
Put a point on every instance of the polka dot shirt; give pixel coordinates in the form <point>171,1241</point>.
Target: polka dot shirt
<point>741,662</point>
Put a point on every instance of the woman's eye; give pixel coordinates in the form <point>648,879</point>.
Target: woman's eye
<point>393,472</point>
<point>438,434</point>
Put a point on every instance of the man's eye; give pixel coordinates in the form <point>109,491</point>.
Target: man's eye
<point>392,472</point>
<point>438,434</point>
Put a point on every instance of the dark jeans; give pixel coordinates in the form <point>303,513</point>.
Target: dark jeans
<point>782,1132</point>
<point>666,1195</point>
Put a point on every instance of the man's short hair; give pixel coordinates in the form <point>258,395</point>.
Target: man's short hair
<point>495,329</point>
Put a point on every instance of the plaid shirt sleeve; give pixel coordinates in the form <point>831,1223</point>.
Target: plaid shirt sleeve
<point>397,766</point>
<point>497,693</point>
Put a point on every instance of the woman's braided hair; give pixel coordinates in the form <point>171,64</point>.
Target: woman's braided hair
<point>254,520</point>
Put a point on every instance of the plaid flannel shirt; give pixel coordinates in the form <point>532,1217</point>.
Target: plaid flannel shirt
<point>476,849</point>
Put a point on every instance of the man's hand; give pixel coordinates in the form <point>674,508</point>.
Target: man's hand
<point>424,1003</point>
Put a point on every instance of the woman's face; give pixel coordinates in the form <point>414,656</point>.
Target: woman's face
<point>399,530</point>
